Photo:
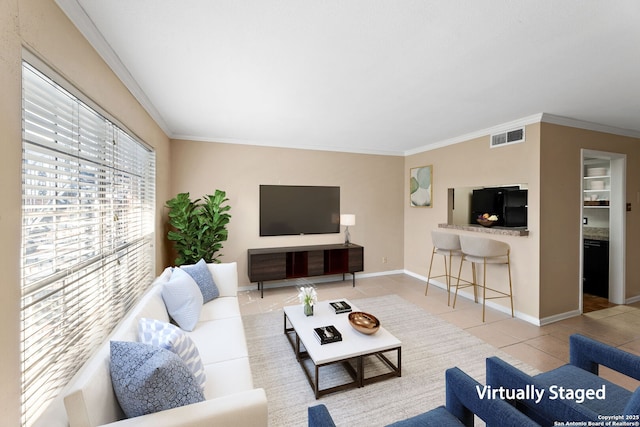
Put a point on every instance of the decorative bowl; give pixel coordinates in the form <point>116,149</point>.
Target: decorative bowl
<point>364,322</point>
<point>485,222</point>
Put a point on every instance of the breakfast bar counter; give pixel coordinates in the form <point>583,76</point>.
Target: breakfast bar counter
<point>502,231</point>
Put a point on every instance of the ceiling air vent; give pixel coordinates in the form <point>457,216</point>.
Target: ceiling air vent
<point>509,137</point>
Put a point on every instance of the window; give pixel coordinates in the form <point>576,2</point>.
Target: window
<point>87,233</point>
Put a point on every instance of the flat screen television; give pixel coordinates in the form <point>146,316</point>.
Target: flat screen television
<point>299,209</point>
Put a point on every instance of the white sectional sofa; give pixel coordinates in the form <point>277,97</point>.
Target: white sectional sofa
<point>230,397</point>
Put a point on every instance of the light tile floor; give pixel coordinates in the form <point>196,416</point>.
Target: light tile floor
<point>542,347</point>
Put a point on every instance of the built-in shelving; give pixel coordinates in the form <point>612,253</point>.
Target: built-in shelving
<point>596,186</point>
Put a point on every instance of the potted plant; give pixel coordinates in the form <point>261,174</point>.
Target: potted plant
<point>308,297</point>
<point>198,227</point>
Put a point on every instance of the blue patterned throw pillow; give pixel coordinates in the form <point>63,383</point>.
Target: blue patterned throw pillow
<point>183,299</point>
<point>172,338</point>
<point>149,379</point>
<point>201,274</point>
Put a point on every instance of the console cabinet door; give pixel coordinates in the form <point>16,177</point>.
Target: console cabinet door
<point>315,263</point>
<point>264,267</point>
<point>356,259</point>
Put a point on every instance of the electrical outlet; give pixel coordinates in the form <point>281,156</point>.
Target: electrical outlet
<point>384,259</point>
<point>585,220</point>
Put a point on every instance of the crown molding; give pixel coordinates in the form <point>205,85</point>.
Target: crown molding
<point>581,124</point>
<point>353,150</point>
<point>535,118</point>
<point>77,15</point>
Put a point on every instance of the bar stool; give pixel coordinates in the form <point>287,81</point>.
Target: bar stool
<point>447,245</point>
<point>480,250</point>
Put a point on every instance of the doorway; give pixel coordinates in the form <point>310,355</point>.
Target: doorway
<point>602,276</point>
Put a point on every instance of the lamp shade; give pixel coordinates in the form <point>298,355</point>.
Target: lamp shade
<point>347,219</point>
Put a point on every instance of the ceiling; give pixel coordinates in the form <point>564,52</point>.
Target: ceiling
<point>373,76</point>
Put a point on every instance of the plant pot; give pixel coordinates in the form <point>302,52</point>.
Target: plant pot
<point>308,310</point>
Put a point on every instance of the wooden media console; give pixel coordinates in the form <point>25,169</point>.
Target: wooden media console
<point>304,261</point>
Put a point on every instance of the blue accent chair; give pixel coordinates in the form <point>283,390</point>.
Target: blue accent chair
<point>581,373</point>
<point>319,416</point>
<point>462,402</point>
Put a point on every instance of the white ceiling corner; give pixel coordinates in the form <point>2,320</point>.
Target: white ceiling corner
<point>372,76</point>
<point>85,25</point>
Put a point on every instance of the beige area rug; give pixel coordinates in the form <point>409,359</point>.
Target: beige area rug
<point>429,346</point>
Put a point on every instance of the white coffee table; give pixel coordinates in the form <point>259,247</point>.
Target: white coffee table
<point>351,351</point>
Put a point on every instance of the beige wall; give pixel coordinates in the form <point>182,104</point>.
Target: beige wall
<point>375,188</point>
<point>41,27</point>
<point>546,270</point>
<point>469,164</point>
<point>371,188</point>
<point>10,194</point>
<point>560,176</point>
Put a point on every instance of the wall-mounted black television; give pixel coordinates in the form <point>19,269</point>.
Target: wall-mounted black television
<point>299,209</point>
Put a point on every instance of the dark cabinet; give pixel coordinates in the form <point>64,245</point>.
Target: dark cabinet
<point>303,261</point>
<point>315,263</point>
<point>595,272</point>
<point>356,259</point>
<point>268,266</point>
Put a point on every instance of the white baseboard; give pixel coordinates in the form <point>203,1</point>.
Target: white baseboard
<point>574,313</point>
<point>381,273</point>
<point>560,316</point>
<point>319,279</point>
<point>632,299</point>
<point>501,308</point>
<point>468,295</point>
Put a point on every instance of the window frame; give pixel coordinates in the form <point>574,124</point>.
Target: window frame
<point>100,180</point>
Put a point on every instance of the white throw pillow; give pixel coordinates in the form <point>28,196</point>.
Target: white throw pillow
<point>183,299</point>
<point>170,337</point>
<point>226,277</point>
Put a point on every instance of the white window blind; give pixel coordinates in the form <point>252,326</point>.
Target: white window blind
<point>87,234</point>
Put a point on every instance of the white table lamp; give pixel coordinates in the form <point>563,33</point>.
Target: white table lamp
<point>347,220</point>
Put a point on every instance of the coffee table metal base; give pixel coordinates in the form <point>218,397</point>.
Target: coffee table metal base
<point>356,373</point>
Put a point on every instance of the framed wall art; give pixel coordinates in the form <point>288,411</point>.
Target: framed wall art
<point>421,186</point>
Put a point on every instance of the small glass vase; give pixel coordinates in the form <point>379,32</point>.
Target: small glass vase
<point>308,310</point>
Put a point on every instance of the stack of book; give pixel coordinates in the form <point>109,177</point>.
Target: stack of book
<point>341,307</point>
<point>327,334</point>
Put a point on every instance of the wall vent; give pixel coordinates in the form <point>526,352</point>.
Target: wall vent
<point>509,137</point>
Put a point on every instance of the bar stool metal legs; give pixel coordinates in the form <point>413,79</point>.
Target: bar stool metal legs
<point>473,283</point>
<point>447,275</point>
<point>447,245</point>
<point>480,250</point>
<point>501,294</point>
